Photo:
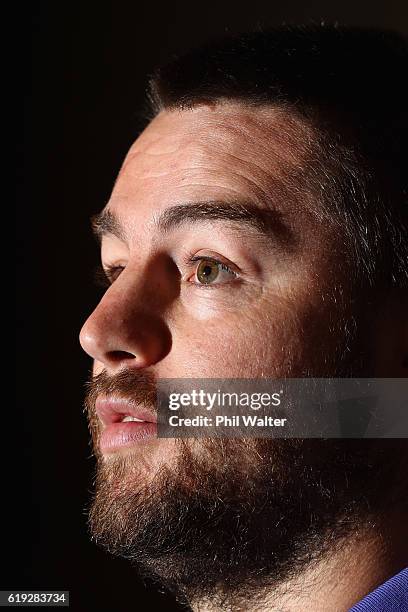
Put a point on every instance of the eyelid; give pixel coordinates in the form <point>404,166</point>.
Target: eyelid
<point>229,268</point>
<point>111,270</point>
<point>214,260</point>
<point>191,258</point>
<point>104,276</point>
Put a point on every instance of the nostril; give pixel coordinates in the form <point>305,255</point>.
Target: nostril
<point>120,356</point>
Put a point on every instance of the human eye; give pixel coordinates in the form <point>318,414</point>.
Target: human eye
<point>211,271</point>
<point>106,275</point>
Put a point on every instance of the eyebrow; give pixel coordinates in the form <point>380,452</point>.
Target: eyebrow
<point>267,222</point>
<point>105,223</point>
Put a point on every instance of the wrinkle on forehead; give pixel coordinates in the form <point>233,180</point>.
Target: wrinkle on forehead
<point>262,137</point>
<point>221,152</point>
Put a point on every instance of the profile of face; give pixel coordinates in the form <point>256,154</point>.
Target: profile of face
<point>222,263</point>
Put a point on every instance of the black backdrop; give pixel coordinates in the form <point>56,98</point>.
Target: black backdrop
<point>81,73</point>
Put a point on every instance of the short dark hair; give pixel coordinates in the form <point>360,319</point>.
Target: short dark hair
<point>350,85</point>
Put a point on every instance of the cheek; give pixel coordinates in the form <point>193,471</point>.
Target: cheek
<point>211,304</point>
<point>260,341</point>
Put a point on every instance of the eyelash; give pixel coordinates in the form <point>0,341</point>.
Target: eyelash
<point>105,276</point>
<point>193,259</point>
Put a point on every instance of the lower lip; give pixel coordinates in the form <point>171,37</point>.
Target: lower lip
<point>121,435</point>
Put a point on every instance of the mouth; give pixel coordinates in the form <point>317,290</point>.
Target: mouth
<point>124,424</point>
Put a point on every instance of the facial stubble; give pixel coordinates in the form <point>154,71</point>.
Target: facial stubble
<point>226,512</point>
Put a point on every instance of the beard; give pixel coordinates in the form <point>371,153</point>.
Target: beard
<point>227,517</point>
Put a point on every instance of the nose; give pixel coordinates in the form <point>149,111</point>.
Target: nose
<point>127,328</point>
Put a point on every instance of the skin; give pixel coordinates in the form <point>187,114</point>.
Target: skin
<point>268,312</point>
<point>154,316</point>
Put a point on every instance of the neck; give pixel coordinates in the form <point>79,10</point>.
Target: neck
<point>336,582</point>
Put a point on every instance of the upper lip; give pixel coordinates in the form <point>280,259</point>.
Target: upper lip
<point>114,409</point>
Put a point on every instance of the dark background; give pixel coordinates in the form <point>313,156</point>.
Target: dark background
<point>81,71</point>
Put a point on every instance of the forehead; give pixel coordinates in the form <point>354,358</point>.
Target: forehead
<point>268,131</point>
<point>211,152</point>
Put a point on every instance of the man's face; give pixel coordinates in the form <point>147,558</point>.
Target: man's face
<point>221,266</point>
<point>239,282</point>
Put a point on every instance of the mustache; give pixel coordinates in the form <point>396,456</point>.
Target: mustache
<point>131,385</point>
